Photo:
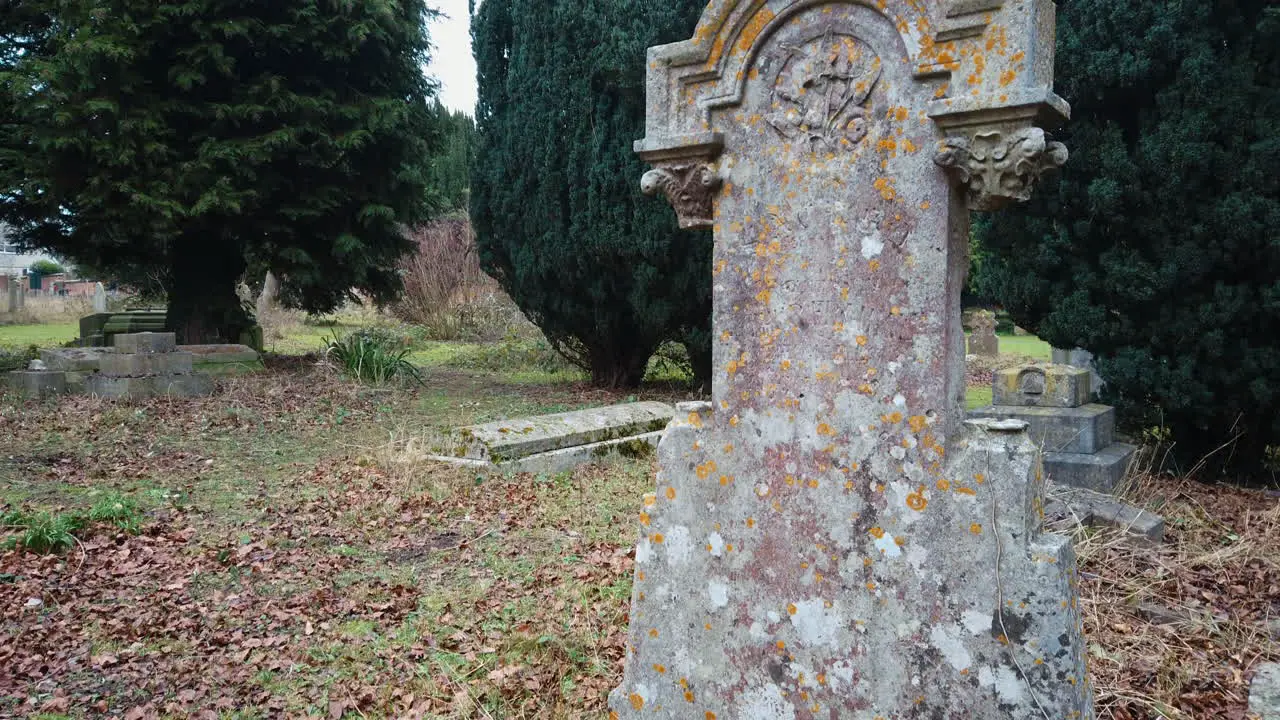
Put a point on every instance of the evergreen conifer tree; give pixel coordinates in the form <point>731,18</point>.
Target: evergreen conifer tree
<point>1157,249</point>
<point>196,137</point>
<point>555,198</point>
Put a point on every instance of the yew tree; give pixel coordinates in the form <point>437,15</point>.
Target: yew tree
<point>555,200</point>
<point>193,138</point>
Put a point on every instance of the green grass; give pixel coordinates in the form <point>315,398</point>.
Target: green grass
<point>21,336</point>
<point>976,397</point>
<point>1027,346</point>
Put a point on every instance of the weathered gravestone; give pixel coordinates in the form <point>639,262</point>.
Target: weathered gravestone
<point>983,341</point>
<point>829,538</point>
<point>99,298</point>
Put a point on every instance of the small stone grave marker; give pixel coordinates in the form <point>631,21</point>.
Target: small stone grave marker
<point>983,341</point>
<point>829,538</point>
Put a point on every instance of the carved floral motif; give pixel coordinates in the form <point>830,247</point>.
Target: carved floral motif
<point>996,168</point>
<point>820,91</point>
<point>689,187</point>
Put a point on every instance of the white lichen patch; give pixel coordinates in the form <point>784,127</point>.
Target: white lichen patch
<point>766,703</point>
<point>718,592</point>
<point>976,622</point>
<point>1006,683</point>
<point>644,551</point>
<point>716,542</point>
<point>887,546</point>
<point>948,642</point>
<point>679,546</point>
<point>815,623</point>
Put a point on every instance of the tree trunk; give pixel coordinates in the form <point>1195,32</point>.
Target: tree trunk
<point>203,306</point>
<point>620,368</point>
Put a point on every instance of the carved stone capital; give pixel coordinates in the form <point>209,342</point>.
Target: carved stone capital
<point>996,168</point>
<point>690,187</point>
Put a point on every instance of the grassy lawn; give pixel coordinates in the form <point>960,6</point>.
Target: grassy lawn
<point>1026,346</point>
<point>23,336</point>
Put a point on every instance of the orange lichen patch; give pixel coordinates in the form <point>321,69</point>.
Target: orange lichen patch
<point>966,491</point>
<point>709,716</point>
<point>650,499</point>
<point>704,470</point>
<point>653,633</point>
<point>688,696</point>
<point>1007,77</point>
<point>791,609</point>
<point>661,669</point>
<point>893,418</point>
<point>671,493</point>
<point>813,484</point>
<point>637,702</point>
<point>785,365</point>
<point>867,562</point>
<point>980,478</point>
<point>895,310</point>
<point>976,529</point>
<point>872,586</point>
<point>825,429</point>
<point>780,645</point>
<point>885,186</point>
<point>861,340</point>
<point>658,538</point>
<point>753,28</point>
<point>734,421</point>
<point>900,541</point>
<point>917,423</point>
<point>917,501</point>
<point>644,519</point>
<point>924,205</point>
<point>751,522</point>
<point>874,265</point>
<point>695,419</point>
<point>866,389</point>
<point>877,532</point>
<point>944,485</point>
<point>725,479</point>
<point>790,480</point>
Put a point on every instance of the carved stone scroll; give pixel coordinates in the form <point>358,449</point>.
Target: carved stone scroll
<point>996,168</point>
<point>689,187</point>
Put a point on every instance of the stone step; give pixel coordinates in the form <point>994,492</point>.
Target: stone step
<point>145,387</point>
<point>145,364</point>
<point>1092,509</point>
<point>1101,471</point>
<point>1082,430</point>
<point>509,440</point>
<point>145,342</point>
<point>36,384</point>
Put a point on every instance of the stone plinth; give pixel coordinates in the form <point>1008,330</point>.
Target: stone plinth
<point>1078,439</point>
<point>552,443</point>
<point>223,359</point>
<point>1081,358</point>
<point>147,365</point>
<point>1264,692</point>
<point>35,384</point>
<point>828,537</point>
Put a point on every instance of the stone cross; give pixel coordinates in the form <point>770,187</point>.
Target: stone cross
<point>983,341</point>
<point>99,298</point>
<point>829,538</point>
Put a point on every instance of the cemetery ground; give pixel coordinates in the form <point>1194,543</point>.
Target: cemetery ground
<point>283,549</point>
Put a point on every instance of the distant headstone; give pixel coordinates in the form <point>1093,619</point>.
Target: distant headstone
<point>1080,358</point>
<point>267,298</point>
<point>99,298</point>
<point>829,538</point>
<point>17,294</point>
<point>982,340</point>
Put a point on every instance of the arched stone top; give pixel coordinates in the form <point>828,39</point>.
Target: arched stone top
<point>990,61</point>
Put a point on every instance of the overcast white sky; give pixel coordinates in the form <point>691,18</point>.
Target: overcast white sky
<point>451,62</point>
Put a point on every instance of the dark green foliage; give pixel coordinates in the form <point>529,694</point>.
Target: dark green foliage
<point>188,140</point>
<point>450,176</point>
<point>1158,248</point>
<point>555,202</point>
<point>46,267</point>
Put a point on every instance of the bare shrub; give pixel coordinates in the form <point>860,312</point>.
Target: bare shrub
<point>446,292</point>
